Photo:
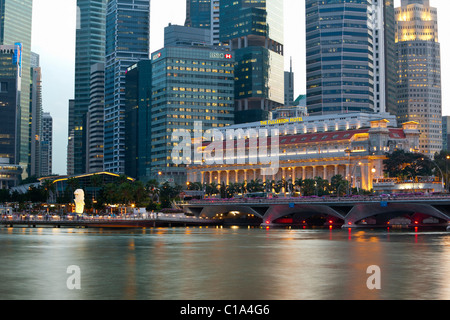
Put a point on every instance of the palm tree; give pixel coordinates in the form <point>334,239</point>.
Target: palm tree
<point>73,183</point>
<point>255,186</point>
<point>153,190</point>
<point>308,187</point>
<point>96,181</point>
<point>48,187</point>
<point>298,183</point>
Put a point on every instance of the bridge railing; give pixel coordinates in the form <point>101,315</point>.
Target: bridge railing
<point>324,199</point>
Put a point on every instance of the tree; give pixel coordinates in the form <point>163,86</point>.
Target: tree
<point>48,187</point>
<point>338,185</point>
<point>322,187</point>
<point>73,184</point>
<point>401,164</point>
<point>96,181</point>
<point>298,183</point>
<point>308,187</point>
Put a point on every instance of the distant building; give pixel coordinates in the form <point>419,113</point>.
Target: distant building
<point>70,155</point>
<point>254,31</point>
<point>357,154</point>
<point>95,120</point>
<point>204,14</point>
<point>10,93</point>
<point>89,49</point>
<point>446,133</point>
<point>9,174</point>
<point>35,116</point>
<point>127,42</point>
<point>138,121</point>
<point>70,139</point>
<point>190,84</point>
<point>289,87</point>
<point>46,150</point>
<point>15,28</point>
<point>419,72</point>
<point>339,57</point>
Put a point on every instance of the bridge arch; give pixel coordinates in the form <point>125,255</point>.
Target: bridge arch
<point>305,210</point>
<point>363,211</point>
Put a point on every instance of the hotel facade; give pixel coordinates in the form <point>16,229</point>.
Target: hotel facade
<point>356,153</point>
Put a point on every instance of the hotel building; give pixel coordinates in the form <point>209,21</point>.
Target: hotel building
<point>356,152</point>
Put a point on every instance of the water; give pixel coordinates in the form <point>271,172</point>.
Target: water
<point>222,264</point>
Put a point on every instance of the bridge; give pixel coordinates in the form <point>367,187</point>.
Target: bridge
<point>346,212</point>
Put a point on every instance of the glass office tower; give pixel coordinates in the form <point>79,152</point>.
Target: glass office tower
<point>339,56</point>
<point>385,74</point>
<point>138,91</point>
<point>204,14</point>
<point>95,120</point>
<point>198,14</point>
<point>254,31</point>
<point>35,116</point>
<point>190,84</point>
<point>90,49</point>
<point>10,94</point>
<point>127,42</point>
<point>419,72</point>
<point>15,27</point>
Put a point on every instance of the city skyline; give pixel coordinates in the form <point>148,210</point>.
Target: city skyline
<point>56,46</point>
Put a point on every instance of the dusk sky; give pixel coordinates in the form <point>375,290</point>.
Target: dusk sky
<point>54,25</point>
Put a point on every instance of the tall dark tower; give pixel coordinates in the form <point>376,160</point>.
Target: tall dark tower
<point>254,31</point>
<point>90,49</point>
<point>339,56</point>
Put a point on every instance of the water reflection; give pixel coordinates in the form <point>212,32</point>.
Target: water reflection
<point>223,263</point>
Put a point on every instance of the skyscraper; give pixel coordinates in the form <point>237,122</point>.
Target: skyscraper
<point>10,92</point>
<point>35,116</point>
<point>289,87</point>
<point>385,75</point>
<point>90,49</point>
<point>191,83</point>
<point>339,56</point>
<point>419,71</point>
<point>46,151</point>
<point>204,14</point>
<point>254,31</point>
<point>95,120</point>
<point>138,120</point>
<point>15,27</point>
<point>127,42</point>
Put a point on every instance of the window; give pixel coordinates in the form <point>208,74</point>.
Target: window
<point>3,86</point>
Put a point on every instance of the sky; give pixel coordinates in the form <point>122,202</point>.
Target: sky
<point>53,38</point>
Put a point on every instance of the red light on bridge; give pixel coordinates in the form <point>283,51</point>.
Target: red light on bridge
<point>330,222</point>
<point>267,222</point>
<point>416,222</point>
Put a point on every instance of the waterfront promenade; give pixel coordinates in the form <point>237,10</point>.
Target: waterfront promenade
<point>107,221</point>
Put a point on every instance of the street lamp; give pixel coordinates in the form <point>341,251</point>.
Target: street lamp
<point>446,173</point>
<point>349,152</point>
<point>353,171</point>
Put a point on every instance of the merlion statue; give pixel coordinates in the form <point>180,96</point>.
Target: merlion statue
<point>79,201</point>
